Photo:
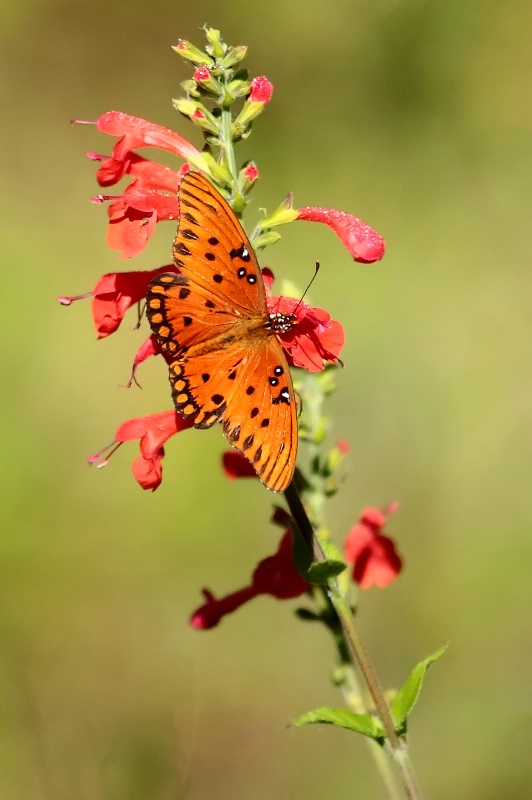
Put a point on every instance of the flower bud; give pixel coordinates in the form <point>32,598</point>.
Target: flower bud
<point>192,53</point>
<point>198,114</point>
<point>234,56</point>
<point>206,81</point>
<point>216,47</point>
<point>261,90</point>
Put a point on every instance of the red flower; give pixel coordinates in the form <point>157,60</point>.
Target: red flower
<point>315,337</point>
<point>261,90</point>
<point>113,294</point>
<point>148,348</point>
<point>373,555</point>
<point>150,198</point>
<point>152,431</point>
<point>275,575</point>
<point>364,243</point>
<point>236,465</point>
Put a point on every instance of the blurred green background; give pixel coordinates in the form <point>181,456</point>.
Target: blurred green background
<point>416,116</point>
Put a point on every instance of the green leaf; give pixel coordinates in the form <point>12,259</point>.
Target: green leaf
<point>341,718</point>
<point>307,615</point>
<point>323,570</point>
<point>406,698</point>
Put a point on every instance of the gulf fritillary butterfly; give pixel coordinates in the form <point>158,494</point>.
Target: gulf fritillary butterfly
<point>227,364</point>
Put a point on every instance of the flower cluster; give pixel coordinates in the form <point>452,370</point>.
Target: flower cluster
<point>150,197</point>
<point>371,556</point>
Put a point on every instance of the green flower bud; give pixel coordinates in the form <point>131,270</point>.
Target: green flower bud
<point>234,56</point>
<point>191,53</point>
<point>217,48</point>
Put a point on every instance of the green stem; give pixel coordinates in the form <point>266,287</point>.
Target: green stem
<point>356,649</point>
<point>227,142</point>
<point>354,700</point>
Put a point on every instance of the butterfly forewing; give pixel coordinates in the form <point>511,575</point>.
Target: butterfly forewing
<point>212,249</point>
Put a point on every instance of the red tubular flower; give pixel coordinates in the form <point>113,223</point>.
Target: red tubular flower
<point>275,575</point>
<point>236,465</point>
<point>152,431</point>
<point>135,132</point>
<point>314,339</point>
<point>373,555</point>
<point>364,243</point>
<point>114,294</point>
<point>261,90</point>
<point>147,349</point>
<point>150,198</point>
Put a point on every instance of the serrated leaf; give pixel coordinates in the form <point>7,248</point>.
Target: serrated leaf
<point>333,565</point>
<point>406,698</point>
<point>341,718</point>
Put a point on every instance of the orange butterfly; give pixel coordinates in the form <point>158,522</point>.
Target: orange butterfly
<point>227,364</point>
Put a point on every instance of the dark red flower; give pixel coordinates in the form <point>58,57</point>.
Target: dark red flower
<point>261,90</point>
<point>152,431</point>
<point>275,576</point>
<point>114,294</point>
<point>315,337</point>
<point>373,556</point>
<point>236,465</point>
<point>364,243</point>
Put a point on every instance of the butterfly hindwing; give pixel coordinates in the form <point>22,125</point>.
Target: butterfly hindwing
<point>212,249</point>
<point>250,392</point>
<point>182,314</point>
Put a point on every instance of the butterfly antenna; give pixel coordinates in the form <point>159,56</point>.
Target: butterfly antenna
<point>317,269</point>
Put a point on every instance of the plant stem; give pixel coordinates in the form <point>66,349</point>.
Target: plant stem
<point>356,649</point>
<point>227,142</point>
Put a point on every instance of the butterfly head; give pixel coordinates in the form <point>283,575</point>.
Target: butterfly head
<point>281,323</point>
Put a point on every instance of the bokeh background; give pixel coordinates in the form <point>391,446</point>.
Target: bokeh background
<point>415,115</point>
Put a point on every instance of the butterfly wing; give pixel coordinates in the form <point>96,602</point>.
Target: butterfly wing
<point>250,391</point>
<point>183,315</point>
<point>212,249</point>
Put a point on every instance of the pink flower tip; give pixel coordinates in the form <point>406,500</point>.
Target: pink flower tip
<point>198,114</point>
<point>343,446</point>
<point>202,74</point>
<point>251,172</point>
<point>261,90</point>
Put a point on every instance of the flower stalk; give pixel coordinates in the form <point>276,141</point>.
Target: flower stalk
<point>310,342</point>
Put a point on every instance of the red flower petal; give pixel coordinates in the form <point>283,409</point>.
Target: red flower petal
<point>364,243</point>
<point>277,575</point>
<point>152,431</point>
<point>373,555</point>
<point>213,611</point>
<point>115,293</point>
<point>137,132</point>
<point>314,339</point>
<point>236,465</point>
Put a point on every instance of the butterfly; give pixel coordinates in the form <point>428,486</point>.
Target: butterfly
<point>212,322</point>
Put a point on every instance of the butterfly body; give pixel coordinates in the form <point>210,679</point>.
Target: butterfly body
<point>211,320</point>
